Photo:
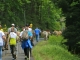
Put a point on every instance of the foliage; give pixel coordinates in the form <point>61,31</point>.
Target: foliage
<point>40,13</point>
<point>72,30</point>
<point>52,50</point>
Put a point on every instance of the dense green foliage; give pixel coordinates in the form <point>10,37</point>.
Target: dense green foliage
<point>72,32</point>
<point>41,13</point>
<point>52,50</point>
<point>71,11</point>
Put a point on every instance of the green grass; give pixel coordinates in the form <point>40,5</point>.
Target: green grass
<point>52,50</point>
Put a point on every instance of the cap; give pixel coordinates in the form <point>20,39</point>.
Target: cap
<point>13,24</point>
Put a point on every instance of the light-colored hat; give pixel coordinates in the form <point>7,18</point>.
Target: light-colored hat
<point>13,24</point>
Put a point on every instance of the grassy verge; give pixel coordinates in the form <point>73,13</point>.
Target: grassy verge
<point>52,50</point>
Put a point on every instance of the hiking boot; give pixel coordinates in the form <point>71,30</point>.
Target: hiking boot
<point>13,59</point>
<point>3,49</point>
<point>25,58</point>
<point>14,56</point>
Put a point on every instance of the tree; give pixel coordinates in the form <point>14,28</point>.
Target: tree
<point>72,23</point>
<point>41,13</point>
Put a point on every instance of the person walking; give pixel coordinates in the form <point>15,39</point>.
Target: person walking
<point>37,32</point>
<point>2,38</point>
<point>3,41</point>
<point>26,42</point>
<point>13,42</point>
<point>12,26</point>
<point>9,30</point>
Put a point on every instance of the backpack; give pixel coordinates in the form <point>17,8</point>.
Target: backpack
<point>25,35</point>
<point>9,30</point>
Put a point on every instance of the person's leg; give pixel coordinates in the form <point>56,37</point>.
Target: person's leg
<point>25,52</point>
<point>3,48</point>
<point>28,51</point>
<point>37,38</point>
<point>6,45</point>
<point>0,52</point>
<point>12,50</point>
<point>17,49</point>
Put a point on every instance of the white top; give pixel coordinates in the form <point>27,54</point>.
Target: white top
<point>1,39</point>
<point>13,35</point>
<point>30,29</point>
<point>21,34</point>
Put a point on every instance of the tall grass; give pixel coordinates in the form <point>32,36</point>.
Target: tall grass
<point>52,50</point>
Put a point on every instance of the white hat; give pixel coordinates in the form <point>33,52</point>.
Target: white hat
<point>13,24</point>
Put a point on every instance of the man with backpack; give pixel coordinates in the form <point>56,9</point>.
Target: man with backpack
<point>26,42</point>
<point>12,26</point>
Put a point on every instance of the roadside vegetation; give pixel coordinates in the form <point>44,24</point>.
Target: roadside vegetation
<point>52,49</point>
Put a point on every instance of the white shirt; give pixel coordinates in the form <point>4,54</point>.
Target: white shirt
<point>30,29</point>
<point>13,35</point>
<point>21,34</point>
<point>1,39</point>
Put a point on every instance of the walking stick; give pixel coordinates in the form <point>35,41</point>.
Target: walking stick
<point>29,54</point>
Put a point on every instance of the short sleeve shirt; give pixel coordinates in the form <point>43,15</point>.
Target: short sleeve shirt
<point>29,33</point>
<point>1,39</point>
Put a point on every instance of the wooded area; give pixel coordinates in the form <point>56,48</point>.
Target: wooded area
<point>47,14</point>
<point>41,13</point>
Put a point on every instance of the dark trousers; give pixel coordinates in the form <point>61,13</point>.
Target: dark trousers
<point>13,50</point>
<point>26,52</point>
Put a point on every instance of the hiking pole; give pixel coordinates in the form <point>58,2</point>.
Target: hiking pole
<point>17,49</point>
<point>29,54</point>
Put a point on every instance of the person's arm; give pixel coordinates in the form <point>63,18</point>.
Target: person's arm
<point>15,30</point>
<point>20,36</point>
<point>17,38</point>
<point>3,36</point>
<point>9,29</point>
<point>8,38</point>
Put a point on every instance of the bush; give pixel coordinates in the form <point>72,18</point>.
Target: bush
<point>52,50</point>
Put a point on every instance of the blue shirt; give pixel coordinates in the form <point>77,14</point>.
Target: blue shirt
<point>30,33</point>
<point>37,31</point>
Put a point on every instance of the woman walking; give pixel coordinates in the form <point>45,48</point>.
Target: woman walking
<point>2,38</point>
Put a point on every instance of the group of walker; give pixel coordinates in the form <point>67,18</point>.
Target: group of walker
<point>26,43</point>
